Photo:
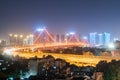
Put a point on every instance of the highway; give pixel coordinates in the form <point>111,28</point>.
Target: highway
<point>79,60</point>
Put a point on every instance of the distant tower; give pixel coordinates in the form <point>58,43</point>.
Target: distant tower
<point>93,38</point>
<point>30,39</point>
<point>62,38</point>
<point>106,38</point>
<point>3,43</point>
<point>100,40</point>
<point>16,39</point>
<point>20,40</point>
<point>11,40</point>
<point>57,38</point>
<point>80,37</point>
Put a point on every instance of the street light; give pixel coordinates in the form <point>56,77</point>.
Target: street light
<point>27,37</point>
<point>31,35</point>
<point>16,35</point>
<point>10,35</point>
<point>21,36</point>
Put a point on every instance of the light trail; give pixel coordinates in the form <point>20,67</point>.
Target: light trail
<point>79,60</point>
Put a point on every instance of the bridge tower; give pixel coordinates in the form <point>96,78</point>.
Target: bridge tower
<point>42,36</point>
<point>72,38</point>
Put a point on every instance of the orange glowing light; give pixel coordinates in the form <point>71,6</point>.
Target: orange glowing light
<point>15,35</point>
<point>21,36</point>
<point>10,35</point>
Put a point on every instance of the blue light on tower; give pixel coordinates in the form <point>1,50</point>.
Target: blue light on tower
<point>72,33</point>
<point>40,30</point>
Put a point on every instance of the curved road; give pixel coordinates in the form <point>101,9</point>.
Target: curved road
<point>79,60</point>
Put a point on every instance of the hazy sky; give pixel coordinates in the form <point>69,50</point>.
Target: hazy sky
<point>60,16</point>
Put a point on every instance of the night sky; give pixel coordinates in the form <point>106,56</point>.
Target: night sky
<point>60,16</point>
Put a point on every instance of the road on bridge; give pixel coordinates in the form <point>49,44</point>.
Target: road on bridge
<point>79,60</point>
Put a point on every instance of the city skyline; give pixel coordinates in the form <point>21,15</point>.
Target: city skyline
<point>58,16</point>
<point>42,36</point>
<point>59,40</point>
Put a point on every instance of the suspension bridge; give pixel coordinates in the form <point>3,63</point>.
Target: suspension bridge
<point>44,39</point>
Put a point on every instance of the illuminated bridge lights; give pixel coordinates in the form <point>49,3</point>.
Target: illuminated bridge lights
<point>43,39</point>
<point>40,30</point>
<point>72,33</point>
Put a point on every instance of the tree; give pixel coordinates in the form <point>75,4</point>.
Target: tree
<point>110,70</point>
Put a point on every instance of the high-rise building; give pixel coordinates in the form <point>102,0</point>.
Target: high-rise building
<point>93,38</point>
<point>15,40</point>
<point>11,40</point>
<point>80,37</point>
<point>3,43</point>
<point>29,40</point>
<point>20,40</point>
<point>100,39</point>
<point>106,38</point>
